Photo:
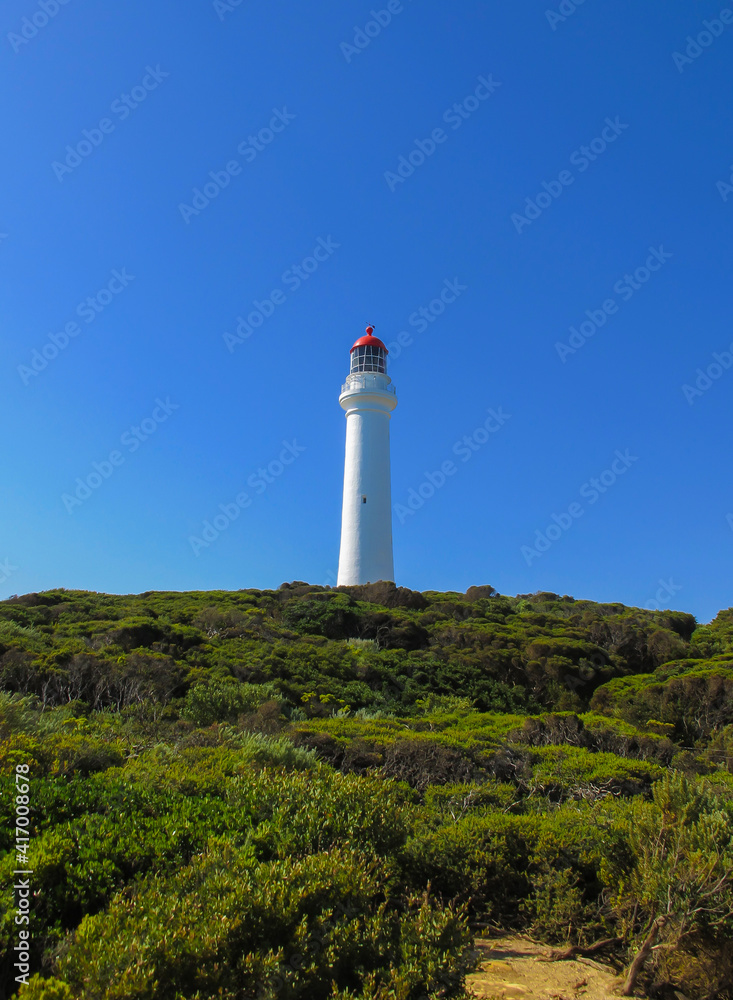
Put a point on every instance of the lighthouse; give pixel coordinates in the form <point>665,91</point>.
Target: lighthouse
<point>368,397</point>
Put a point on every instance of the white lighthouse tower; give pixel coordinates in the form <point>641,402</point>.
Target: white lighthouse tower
<point>368,397</point>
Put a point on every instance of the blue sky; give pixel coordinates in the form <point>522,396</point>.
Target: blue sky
<point>293,122</point>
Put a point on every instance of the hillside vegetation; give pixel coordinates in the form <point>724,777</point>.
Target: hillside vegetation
<point>317,793</point>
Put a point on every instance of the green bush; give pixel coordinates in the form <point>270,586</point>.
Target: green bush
<point>676,879</point>
<point>224,700</point>
<point>213,813</point>
<point>228,926</point>
<point>532,870</point>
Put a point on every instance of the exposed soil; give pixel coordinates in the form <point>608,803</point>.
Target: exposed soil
<point>510,969</point>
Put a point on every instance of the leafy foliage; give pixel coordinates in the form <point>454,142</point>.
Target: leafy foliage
<point>312,792</point>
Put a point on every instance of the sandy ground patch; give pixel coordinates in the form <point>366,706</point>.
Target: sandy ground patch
<point>510,970</point>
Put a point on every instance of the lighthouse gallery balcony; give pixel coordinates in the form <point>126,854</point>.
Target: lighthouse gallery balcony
<point>376,382</point>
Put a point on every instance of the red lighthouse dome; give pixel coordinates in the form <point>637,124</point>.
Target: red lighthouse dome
<point>369,341</point>
<point>369,354</point>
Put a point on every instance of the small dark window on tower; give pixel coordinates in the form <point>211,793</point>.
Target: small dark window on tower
<point>363,498</point>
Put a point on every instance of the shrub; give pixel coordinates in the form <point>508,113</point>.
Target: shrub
<point>679,881</point>
<point>18,714</point>
<point>326,615</point>
<point>227,926</point>
<point>224,700</point>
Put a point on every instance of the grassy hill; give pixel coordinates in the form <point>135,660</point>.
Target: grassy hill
<point>325,793</point>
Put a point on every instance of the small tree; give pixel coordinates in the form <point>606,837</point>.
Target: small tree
<point>680,881</point>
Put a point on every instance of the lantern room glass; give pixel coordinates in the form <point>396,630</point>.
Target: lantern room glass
<point>368,359</point>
